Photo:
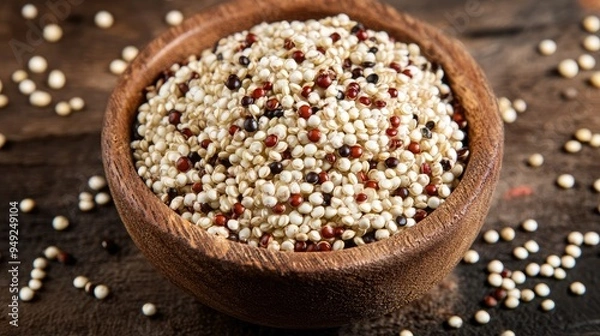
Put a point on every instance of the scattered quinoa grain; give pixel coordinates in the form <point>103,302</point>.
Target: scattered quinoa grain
<point>26,294</point>
<point>40,98</point>
<point>406,332</point>
<point>102,198</point>
<point>491,236</point>
<point>101,292</point>
<point>595,82</point>
<point>86,206</point>
<point>40,263</point>
<point>507,234</point>
<point>591,43</point>
<point>455,322</point>
<point>529,225</point>
<point>573,250</point>
<point>471,257</point>
<point>583,135</point>
<point>482,317</point>
<point>509,115</point>
<point>553,260</point>
<point>118,66</point>
<point>519,105</point>
<point>520,253</point>
<point>51,252</point>
<point>532,269</point>
<point>575,238</point>
<point>129,53</point>
<point>104,19</point>
<point>174,18</point>
<point>577,288</point>
<point>527,295</point>
<point>573,146</point>
<point>37,273</point>
<point>149,309</point>
<point>37,64</point>
<point>29,11</point>
<point>547,47</point>
<point>27,87</point>
<point>35,284</point>
<point>63,109</point>
<point>568,68</point>
<point>97,182</point>
<point>3,102</point>
<point>56,79</point>
<point>80,281</point>
<point>560,274</point>
<point>532,246</point>
<point>511,302</point>
<point>591,238</point>
<point>495,266</point>
<point>567,261</point>
<point>508,333</point>
<point>518,277</point>
<point>596,185</point>
<point>27,205</point>
<point>566,181</point>
<point>60,223</point>
<point>586,62</point>
<point>547,305</point>
<point>18,76</point>
<point>494,280</point>
<point>546,270</point>
<point>591,23</point>
<point>77,103</point>
<point>52,32</point>
<point>2,140</point>
<point>541,289</point>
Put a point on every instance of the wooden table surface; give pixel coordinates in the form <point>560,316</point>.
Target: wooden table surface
<point>49,158</point>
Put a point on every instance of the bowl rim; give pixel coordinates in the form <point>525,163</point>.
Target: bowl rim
<point>479,174</point>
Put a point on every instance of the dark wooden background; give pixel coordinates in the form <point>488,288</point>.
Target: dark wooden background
<point>49,158</point>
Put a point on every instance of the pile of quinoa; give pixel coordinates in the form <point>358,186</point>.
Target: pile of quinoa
<point>302,136</point>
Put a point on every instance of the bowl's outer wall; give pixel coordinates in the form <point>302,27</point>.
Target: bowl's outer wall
<point>292,289</point>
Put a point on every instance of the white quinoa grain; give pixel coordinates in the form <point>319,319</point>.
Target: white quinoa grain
<point>573,250</point>
<point>37,273</point>
<point>508,333</point>
<point>575,238</point>
<point>591,43</point>
<point>596,185</point>
<point>547,47</point>
<point>56,79</point>
<point>52,32</point>
<point>532,269</point>
<point>515,292</point>
<point>27,87</point>
<point>494,280</point>
<point>568,68</point>
<point>80,281</point>
<point>508,284</point>
<point>507,234</point>
<point>591,23</point>
<point>29,11</point>
<point>529,225</point>
<point>520,253</point>
<point>104,19</point>
<point>2,140</point>
<point>573,146</point>
<point>595,82</point>
<point>37,64</point>
<point>102,198</point>
<point>18,76</point>
<point>566,181</point>
<point>77,103</point>
<point>86,196</point>
<point>583,135</point>
<point>511,302</point>
<point>577,288</point>
<point>586,62</point>
<point>527,295</point>
<point>86,206</point>
<point>509,115</point>
<point>129,53</point>
<point>174,18</point>
<point>26,294</point>
<point>35,284</point>
<point>491,236</point>
<point>51,252</point>
<point>547,305</point>
<point>63,109</point>
<point>495,266</point>
<point>101,292</point>
<point>27,205</point>
<point>455,322</point>
<point>532,246</point>
<point>97,182</point>
<point>60,223</point>
<point>560,274</point>
<point>40,263</point>
<point>471,257</point>
<point>3,101</point>
<point>546,270</point>
<point>482,317</point>
<point>117,66</point>
<point>149,309</point>
<point>591,238</point>
<point>518,277</point>
<point>542,289</point>
<point>567,261</point>
<point>553,260</point>
<point>40,98</point>
<point>519,105</point>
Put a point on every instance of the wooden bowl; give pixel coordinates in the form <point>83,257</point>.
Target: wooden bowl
<point>303,290</point>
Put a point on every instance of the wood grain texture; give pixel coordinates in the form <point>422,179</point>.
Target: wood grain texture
<point>257,285</point>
